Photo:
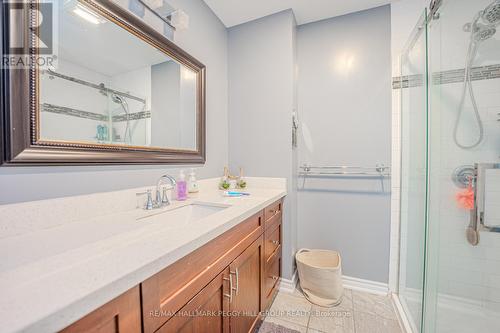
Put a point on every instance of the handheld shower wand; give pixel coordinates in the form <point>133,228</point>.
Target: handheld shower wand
<point>479,32</point>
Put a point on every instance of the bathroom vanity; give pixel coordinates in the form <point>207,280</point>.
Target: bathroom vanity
<point>209,264</point>
<point>237,272</point>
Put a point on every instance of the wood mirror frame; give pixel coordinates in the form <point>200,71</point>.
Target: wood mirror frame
<point>19,121</point>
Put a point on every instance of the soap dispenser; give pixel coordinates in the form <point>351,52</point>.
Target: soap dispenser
<point>192,182</point>
<point>181,187</point>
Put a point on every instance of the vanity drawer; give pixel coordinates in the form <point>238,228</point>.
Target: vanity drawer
<point>271,279</point>
<point>272,242</point>
<point>272,213</point>
<point>168,291</point>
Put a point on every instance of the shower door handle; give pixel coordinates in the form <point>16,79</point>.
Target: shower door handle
<point>480,196</point>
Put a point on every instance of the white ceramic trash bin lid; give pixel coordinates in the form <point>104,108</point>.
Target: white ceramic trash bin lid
<point>320,276</point>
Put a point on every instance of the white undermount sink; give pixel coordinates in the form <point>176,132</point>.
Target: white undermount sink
<point>186,214</point>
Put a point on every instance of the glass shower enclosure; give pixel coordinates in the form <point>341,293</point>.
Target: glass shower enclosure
<point>449,273</point>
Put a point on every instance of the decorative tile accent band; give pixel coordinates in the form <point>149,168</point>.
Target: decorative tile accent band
<point>47,107</point>
<point>407,81</point>
<point>132,116</point>
<point>445,77</point>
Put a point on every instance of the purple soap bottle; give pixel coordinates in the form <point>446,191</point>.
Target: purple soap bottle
<point>182,187</point>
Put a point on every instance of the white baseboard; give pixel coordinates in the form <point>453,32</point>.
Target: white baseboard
<point>288,286</point>
<point>368,286</point>
<point>373,287</point>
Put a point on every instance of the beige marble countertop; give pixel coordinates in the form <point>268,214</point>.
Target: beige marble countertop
<point>52,276</point>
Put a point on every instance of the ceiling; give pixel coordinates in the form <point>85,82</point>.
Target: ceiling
<point>234,12</point>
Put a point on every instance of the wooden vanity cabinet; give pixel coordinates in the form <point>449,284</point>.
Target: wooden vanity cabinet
<point>205,312</point>
<point>273,238</point>
<point>247,272</point>
<point>222,286</point>
<point>168,291</point>
<point>229,303</point>
<point>121,315</point>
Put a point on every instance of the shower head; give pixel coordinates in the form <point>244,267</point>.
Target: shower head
<point>483,26</point>
<point>483,32</point>
<point>491,14</point>
<point>117,99</point>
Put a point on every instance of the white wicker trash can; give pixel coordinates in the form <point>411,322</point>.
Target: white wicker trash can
<point>320,276</point>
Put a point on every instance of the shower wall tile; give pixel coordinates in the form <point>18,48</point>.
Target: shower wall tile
<point>492,306</point>
<point>492,293</point>
<point>466,290</point>
<point>491,281</point>
<point>466,274</point>
<point>484,259</point>
<point>478,74</point>
<point>460,274</point>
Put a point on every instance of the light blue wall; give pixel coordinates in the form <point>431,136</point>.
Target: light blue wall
<point>344,97</point>
<point>206,39</point>
<point>261,100</point>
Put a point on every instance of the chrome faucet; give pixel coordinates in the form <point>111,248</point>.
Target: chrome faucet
<point>161,197</point>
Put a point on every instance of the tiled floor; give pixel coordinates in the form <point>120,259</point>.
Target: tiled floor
<point>358,312</point>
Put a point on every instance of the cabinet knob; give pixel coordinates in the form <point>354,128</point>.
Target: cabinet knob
<point>275,242</point>
<point>275,277</point>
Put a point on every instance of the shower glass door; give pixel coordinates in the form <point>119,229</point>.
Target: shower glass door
<point>413,172</point>
<point>462,280</point>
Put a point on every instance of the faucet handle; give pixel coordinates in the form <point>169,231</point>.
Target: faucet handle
<point>162,198</point>
<point>149,201</point>
<point>158,200</point>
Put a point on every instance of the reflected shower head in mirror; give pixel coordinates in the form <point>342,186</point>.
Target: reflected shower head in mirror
<point>127,136</point>
<point>117,99</point>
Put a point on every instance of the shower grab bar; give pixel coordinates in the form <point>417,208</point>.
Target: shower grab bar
<point>480,195</point>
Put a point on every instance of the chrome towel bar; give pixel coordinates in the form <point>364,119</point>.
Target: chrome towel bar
<point>379,170</point>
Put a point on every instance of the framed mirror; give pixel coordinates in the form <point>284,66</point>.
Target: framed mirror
<point>117,91</point>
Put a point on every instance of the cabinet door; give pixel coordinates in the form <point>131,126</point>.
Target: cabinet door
<point>205,312</point>
<point>246,274</point>
<point>123,314</point>
<point>169,290</point>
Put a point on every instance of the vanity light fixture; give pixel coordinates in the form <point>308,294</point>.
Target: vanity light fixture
<point>188,74</point>
<point>87,14</point>
<point>179,19</point>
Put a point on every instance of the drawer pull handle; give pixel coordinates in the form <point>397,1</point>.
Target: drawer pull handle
<point>275,277</point>
<point>230,295</point>
<point>237,273</point>
<point>275,242</point>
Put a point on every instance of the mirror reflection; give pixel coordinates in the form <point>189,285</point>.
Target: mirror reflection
<point>111,87</point>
